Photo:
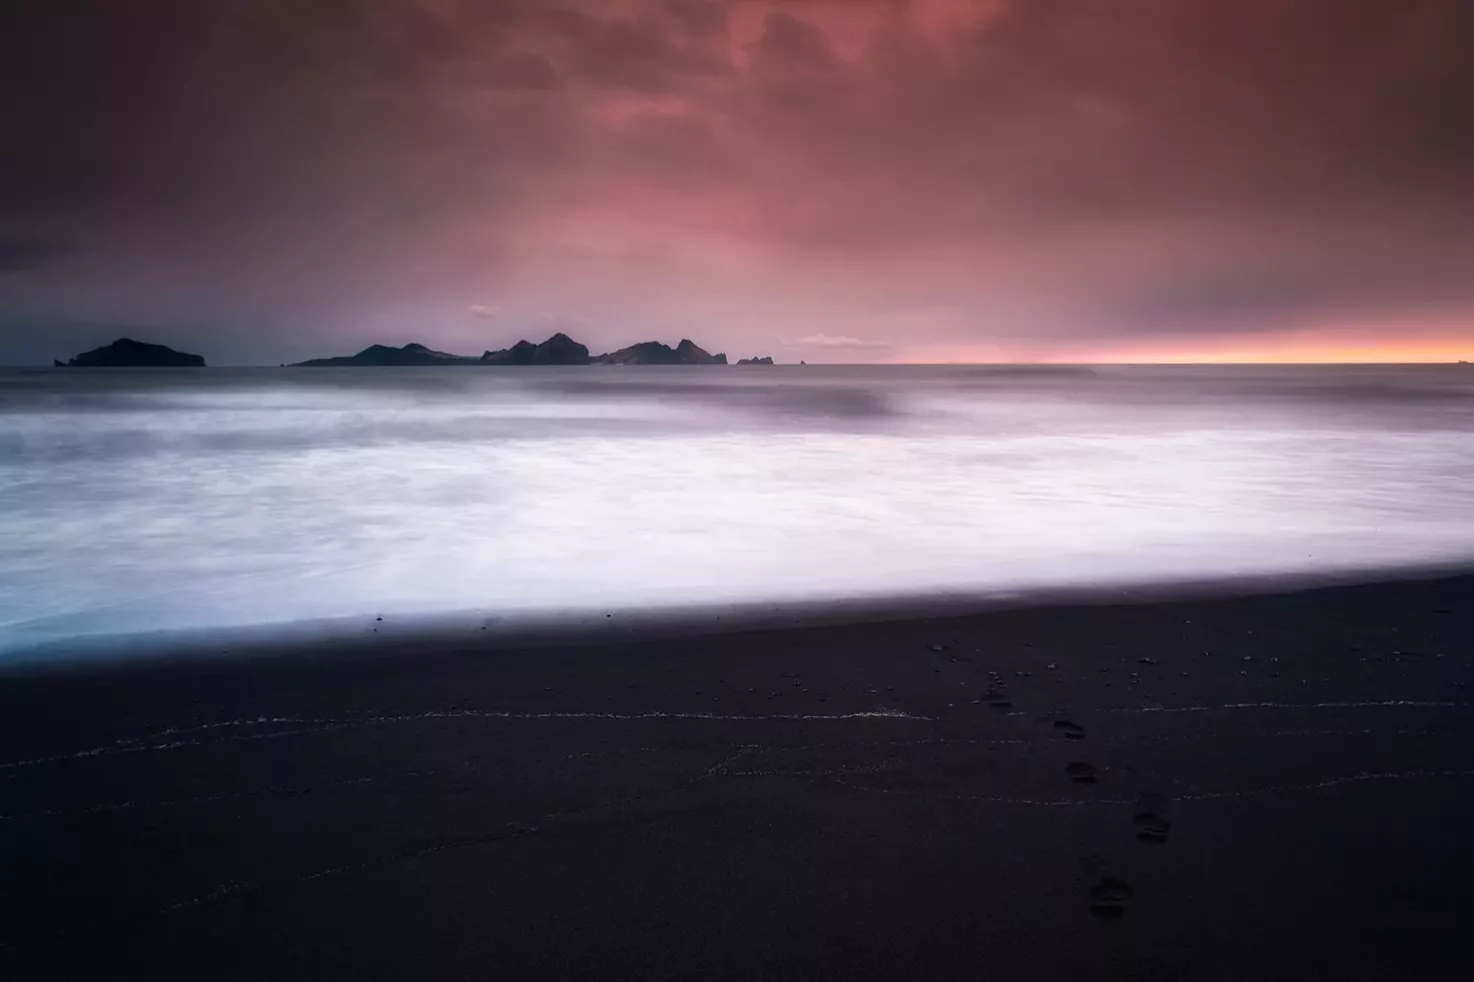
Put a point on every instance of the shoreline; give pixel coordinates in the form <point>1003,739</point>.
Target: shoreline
<point>354,635</point>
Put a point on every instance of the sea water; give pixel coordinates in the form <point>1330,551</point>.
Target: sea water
<point>135,501</point>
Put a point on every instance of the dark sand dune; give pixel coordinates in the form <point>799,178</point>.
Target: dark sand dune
<point>1270,787</point>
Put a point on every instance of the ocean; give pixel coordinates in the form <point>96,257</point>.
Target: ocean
<point>179,501</point>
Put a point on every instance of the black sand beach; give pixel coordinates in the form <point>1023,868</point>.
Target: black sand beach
<point>1268,787</point>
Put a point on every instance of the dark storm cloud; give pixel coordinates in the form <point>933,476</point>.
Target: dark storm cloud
<point>1334,140</point>
<point>1210,105</point>
<point>1084,110</point>
<point>1056,169</point>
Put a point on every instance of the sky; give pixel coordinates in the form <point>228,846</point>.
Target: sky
<point>261,181</point>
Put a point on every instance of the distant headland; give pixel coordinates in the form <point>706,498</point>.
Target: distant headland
<point>128,353</point>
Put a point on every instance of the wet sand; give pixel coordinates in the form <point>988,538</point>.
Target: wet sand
<point>1266,787</point>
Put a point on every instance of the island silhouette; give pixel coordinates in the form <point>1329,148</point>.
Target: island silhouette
<point>128,353</point>
<point>558,350</point>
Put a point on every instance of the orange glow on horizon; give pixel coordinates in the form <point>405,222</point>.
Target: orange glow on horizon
<point>1433,345</point>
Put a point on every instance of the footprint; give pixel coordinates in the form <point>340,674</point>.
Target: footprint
<point>1148,817</point>
<point>1080,772</point>
<point>1110,897</point>
<point>1151,827</point>
<point>1071,731</point>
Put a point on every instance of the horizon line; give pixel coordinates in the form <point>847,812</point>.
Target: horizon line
<point>856,364</point>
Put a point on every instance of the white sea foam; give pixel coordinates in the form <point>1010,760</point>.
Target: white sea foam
<point>234,498</point>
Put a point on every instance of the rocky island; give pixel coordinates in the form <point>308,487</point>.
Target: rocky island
<point>128,353</point>
<point>557,350</point>
<point>656,353</point>
<point>388,356</point>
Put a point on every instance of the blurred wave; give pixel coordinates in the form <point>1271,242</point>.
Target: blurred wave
<point>133,500</point>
